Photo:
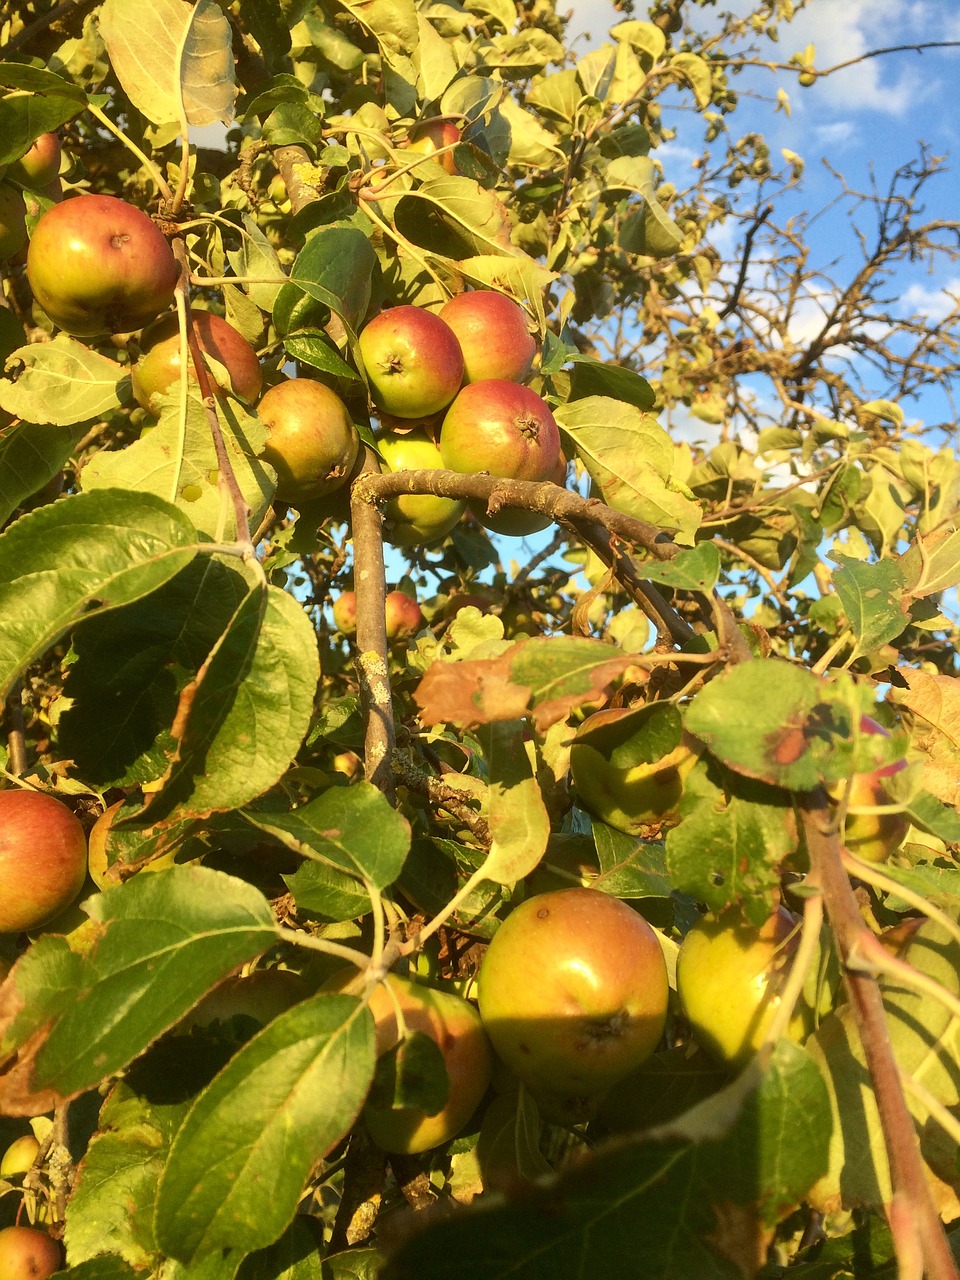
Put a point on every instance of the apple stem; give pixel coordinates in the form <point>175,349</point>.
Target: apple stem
<point>900,1137</point>
<point>16,735</point>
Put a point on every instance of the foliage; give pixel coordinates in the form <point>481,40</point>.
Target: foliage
<point>290,799</point>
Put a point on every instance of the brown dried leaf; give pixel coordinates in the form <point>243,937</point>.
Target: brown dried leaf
<point>935,701</point>
<point>471,693</point>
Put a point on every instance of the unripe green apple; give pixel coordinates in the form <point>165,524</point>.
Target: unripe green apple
<point>19,1157</point>
<point>159,365</point>
<point>413,361</point>
<point>98,265</point>
<point>43,859</point>
<point>402,615</point>
<point>626,795</point>
<point>872,836</point>
<point>493,335</point>
<point>454,1025</point>
<point>40,165</point>
<point>13,226</point>
<point>573,995</point>
<point>729,977</point>
<point>28,1254</point>
<point>312,442</point>
<point>415,519</point>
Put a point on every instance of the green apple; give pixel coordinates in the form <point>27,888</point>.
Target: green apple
<point>312,442</point>
<point>615,781</point>
<point>729,977</point>
<point>413,361</point>
<point>345,613</point>
<point>573,995</point>
<point>19,1157</point>
<point>28,1254</point>
<point>98,265</point>
<point>415,519</point>
<point>43,859</point>
<point>872,836</point>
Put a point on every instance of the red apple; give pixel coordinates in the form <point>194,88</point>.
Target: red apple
<point>573,995</point>
<point>98,265</point>
<point>345,613</point>
<point>43,859</point>
<point>40,165</point>
<point>516,522</point>
<point>413,361</point>
<point>312,442</point>
<point>402,614</point>
<point>415,519</point>
<point>159,365</point>
<point>493,335</point>
<point>502,428</point>
<point>729,978</point>
<point>428,136</point>
<point>13,226</point>
<point>27,1254</point>
<point>454,1025</point>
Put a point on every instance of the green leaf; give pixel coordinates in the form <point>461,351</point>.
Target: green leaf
<point>352,829</point>
<point>336,266</point>
<point>242,721</point>
<point>872,599</point>
<point>772,720</point>
<point>645,37</point>
<point>62,382</point>
<point>516,815</point>
<point>88,553</point>
<point>457,218</point>
<point>316,350</point>
<point>257,258</point>
<point>173,61</point>
<point>594,378</point>
<point>631,458</point>
<point>42,101</point>
<point>630,867</point>
<point>178,462</point>
<point>695,570</point>
<point>326,894</point>
<point>104,1267</point>
<point>564,672</point>
<point>278,1106</point>
<point>30,456</point>
<point>696,71</point>
<point>412,1074</point>
<point>156,945</point>
<point>932,564</point>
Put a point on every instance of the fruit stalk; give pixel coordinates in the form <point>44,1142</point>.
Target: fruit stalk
<point>903,1152</point>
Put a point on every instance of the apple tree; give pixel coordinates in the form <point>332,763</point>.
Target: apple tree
<point>421,541</point>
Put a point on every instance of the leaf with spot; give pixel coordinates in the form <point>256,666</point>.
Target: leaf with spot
<point>872,599</point>
<point>62,382</point>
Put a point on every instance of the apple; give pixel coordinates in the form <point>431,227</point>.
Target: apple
<point>573,995</point>
<point>502,428</point>
<point>345,613</point>
<point>517,522</point>
<point>13,226</point>
<point>428,136</point>
<point>493,335</point>
<point>27,1254</point>
<point>613,787</point>
<point>455,1026</point>
<point>19,1157</point>
<point>43,859</point>
<point>98,265</point>
<point>312,442</point>
<point>402,614</point>
<point>872,836</point>
<point>40,165</point>
<point>415,519</point>
<point>413,361</point>
<point>729,977</point>
<point>159,365</point>
<point>260,996</point>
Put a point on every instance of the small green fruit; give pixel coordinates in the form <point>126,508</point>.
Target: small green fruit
<point>415,519</point>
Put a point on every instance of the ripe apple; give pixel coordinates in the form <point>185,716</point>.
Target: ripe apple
<point>27,1254</point>
<point>729,978</point>
<point>43,859</point>
<point>415,519</point>
<point>493,335</point>
<point>159,365</point>
<point>413,361</point>
<point>312,442</point>
<point>13,226</point>
<point>40,165</point>
<point>19,1157</point>
<point>98,265</point>
<point>516,522</point>
<point>623,793</point>
<point>573,995</point>
<point>345,613</point>
<point>403,615</point>
<point>872,836</point>
<point>502,428</point>
<point>428,136</point>
<point>455,1026</point>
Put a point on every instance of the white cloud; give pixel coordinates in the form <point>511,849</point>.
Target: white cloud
<point>933,303</point>
<point>593,19</point>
